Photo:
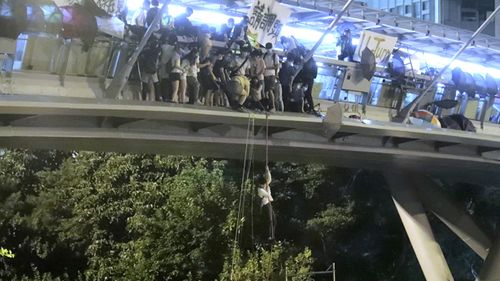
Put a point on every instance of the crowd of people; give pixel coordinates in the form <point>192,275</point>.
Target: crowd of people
<point>180,65</point>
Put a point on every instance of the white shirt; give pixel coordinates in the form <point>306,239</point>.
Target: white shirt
<point>176,63</point>
<point>140,17</point>
<point>265,194</point>
<point>191,70</point>
<point>243,69</point>
<point>167,51</point>
<point>272,63</point>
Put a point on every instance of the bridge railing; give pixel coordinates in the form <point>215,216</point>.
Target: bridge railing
<point>51,55</point>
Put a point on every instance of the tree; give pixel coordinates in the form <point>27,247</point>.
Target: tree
<point>275,263</point>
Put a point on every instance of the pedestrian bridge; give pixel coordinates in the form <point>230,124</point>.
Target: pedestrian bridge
<point>37,122</point>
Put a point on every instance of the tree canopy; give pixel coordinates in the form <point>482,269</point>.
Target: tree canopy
<point>106,216</point>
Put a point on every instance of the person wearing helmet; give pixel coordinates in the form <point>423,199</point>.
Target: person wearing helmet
<point>346,47</point>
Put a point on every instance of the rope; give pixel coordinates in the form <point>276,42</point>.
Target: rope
<point>249,166</point>
<point>251,206</point>
<point>244,177</point>
<point>267,139</point>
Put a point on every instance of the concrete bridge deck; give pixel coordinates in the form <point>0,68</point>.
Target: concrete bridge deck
<point>37,122</point>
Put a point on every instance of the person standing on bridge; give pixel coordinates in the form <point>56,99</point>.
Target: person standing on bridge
<point>346,47</point>
<point>148,66</point>
<point>307,75</point>
<point>168,49</point>
<point>139,17</point>
<point>272,63</point>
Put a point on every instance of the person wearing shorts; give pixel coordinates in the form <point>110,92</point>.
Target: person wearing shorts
<point>272,64</point>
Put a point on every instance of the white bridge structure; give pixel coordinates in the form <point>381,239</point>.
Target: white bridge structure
<point>409,156</point>
<point>54,100</point>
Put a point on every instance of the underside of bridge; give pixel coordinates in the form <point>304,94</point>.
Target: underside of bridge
<point>138,127</point>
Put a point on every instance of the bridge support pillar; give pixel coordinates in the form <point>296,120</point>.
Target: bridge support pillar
<point>491,267</point>
<point>455,218</point>
<point>416,224</point>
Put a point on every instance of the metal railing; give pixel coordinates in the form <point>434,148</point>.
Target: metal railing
<point>331,270</point>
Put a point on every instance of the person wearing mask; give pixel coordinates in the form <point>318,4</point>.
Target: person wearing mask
<point>272,65</point>
<point>256,75</point>
<point>183,25</point>
<point>346,48</point>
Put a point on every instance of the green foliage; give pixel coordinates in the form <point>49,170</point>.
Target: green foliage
<point>333,219</point>
<point>6,253</point>
<point>113,216</point>
<point>268,264</point>
<point>105,216</point>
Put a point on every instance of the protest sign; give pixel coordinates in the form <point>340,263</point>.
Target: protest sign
<point>267,18</point>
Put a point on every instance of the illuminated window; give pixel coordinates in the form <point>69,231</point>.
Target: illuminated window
<point>407,9</point>
<point>425,6</point>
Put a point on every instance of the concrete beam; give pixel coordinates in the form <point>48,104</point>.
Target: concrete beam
<point>454,217</point>
<point>491,266</point>
<point>416,224</point>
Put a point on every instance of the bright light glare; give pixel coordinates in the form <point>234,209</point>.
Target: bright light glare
<point>305,34</point>
<point>439,61</point>
<point>176,10</point>
<point>215,18</point>
<point>134,4</point>
<point>310,35</point>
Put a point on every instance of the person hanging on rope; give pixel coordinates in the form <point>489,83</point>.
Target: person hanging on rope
<point>264,192</point>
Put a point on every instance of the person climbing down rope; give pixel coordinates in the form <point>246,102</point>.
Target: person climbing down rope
<point>264,192</point>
